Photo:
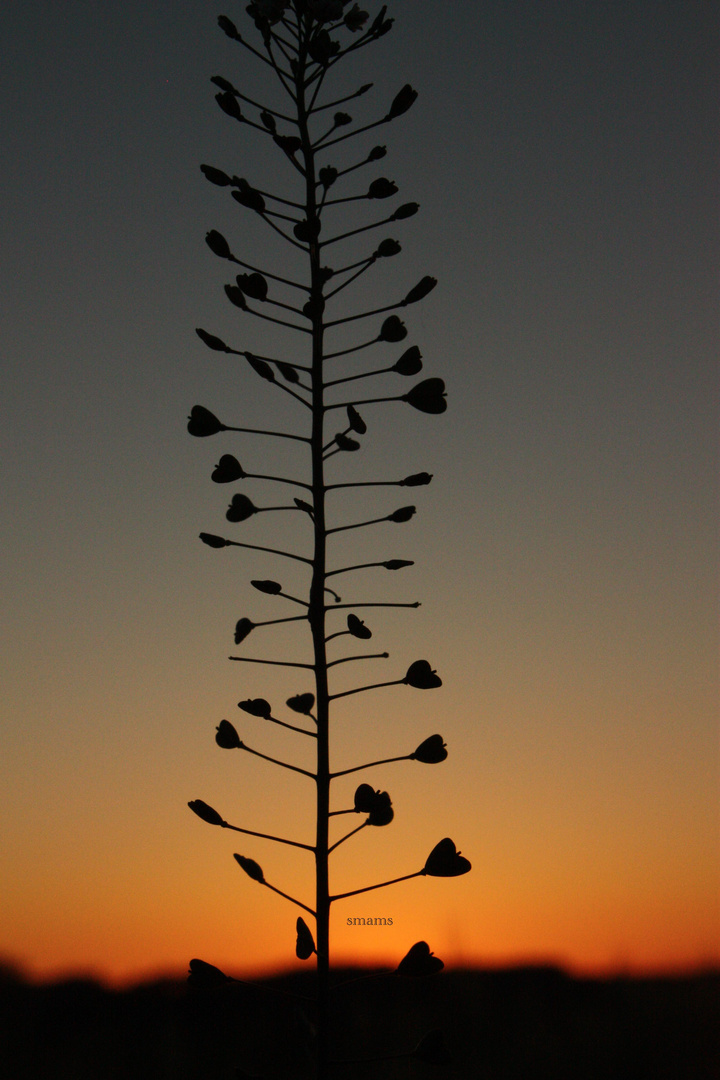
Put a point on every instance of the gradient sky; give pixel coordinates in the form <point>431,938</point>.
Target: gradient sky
<point>564,156</point>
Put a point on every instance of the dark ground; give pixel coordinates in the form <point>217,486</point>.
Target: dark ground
<point>529,1023</point>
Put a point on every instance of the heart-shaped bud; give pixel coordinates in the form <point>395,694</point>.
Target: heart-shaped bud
<point>228,27</point>
<point>240,509</point>
<point>393,329</point>
<point>387,249</point>
<point>344,442</point>
<point>243,627</point>
<point>408,209</point>
<point>205,812</point>
<point>397,564</point>
<point>427,396</point>
<point>419,961</point>
<point>421,676</point>
<point>227,737</point>
<point>272,588</point>
<point>432,1049</point>
<point>355,420</point>
<point>253,285</point>
<point>202,422</point>
<point>445,861</point>
<point>327,176</point>
<point>322,48</point>
<point>301,703</point>
<point>289,144</point>
<point>229,104</point>
<point>260,367</point>
<point>248,196</point>
<point>423,287</point>
<point>251,868</point>
<point>287,371</point>
<point>304,945</point>
<point>364,799</point>
<point>215,176</point>
<point>314,307</point>
<point>382,812</point>
<point>431,751</point>
<point>307,231</point>
<point>355,20</point>
<point>218,244</point>
<point>342,119</point>
<point>357,627</point>
<point>382,189</point>
<point>227,469</point>
<point>409,363</point>
<point>214,541</point>
<point>402,102</point>
<point>401,515</point>
<point>376,153</point>
<point>202,974</point>
<point>211,341</point>
<point>256,707</point>
<point>416,480</point>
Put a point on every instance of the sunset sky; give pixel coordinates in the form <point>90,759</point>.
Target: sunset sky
<point>564,155</point>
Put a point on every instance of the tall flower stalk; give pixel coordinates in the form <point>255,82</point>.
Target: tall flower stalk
<point>302,41</point>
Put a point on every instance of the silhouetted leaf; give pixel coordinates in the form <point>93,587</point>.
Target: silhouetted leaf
<point>251,868</point>
<point>445,861</point>
<point>227,469</point>
<point>202,422</point>
<point>205,812</point>
<point>227,737</point>
<point>256,707</point>
<point>421,676</point>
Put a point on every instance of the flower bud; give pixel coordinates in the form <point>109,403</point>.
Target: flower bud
<point>427,396</point>
<point>272,588</point>
<point>387,249</point>
<point>211,341</point>
<point>346,443</point>
<point>227,737</point>
<point>213,541</point>
<point>397,564</point>
<point>229,104</point>
<point>402,102</point>
<point>364,799</point>
<point>409,363</point>
<point>358,628</point>
<point>206,975</point>
<point>289,144</point>
<point>419,961</point>
<point>405,211</point>
<point>253,285</point>
<point>401,515</point>
<point>218,244</point>
<point>327,176</point>
<point>355,19</point>
<point>421,676</point>
<point>202,422</point>
<point>445,861</point>
<point>215,176</point>
<point>304,945</point>
<point>227,469</point>
<point>423,287</point>
<point>251,868</point>
<point>382,812</point>
<point>268,120</point>
<point>243,627</point>
<point>260,367</point>
<point>376,153</point>
<point>256,707</point>
<point>356,421</point>
<point>393,329</point>
<point>342,119</point>
<point>287,371</point>
<point>248,196</point>
<point>240,509</point>
<point>416,480</point>
<point>431,751</point>
<point>205,812</point>
<point>236,296</point>
<point>228,27</point>
<point>301,703</point>
<point>382,189</point>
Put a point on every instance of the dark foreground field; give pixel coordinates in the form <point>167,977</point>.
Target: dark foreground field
<point>530,1023</point>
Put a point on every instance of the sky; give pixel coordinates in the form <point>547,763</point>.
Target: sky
<point>564,156</point>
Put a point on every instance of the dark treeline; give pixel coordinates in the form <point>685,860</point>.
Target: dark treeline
<point>529,1023</point>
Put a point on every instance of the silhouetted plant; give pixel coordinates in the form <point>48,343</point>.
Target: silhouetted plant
<point>302,41</point>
